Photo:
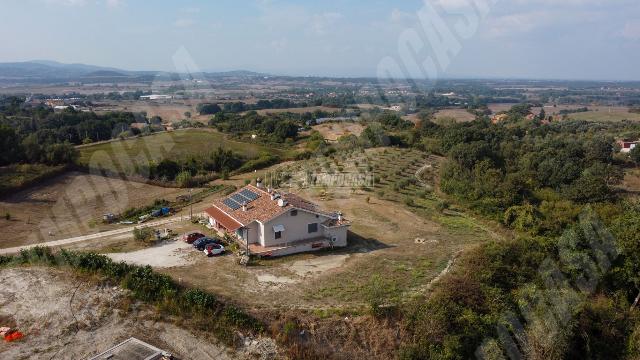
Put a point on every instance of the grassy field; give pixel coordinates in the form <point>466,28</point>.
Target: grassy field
<point>18,176</point>
<point>606,114</point>
<point>461,115</point>
<point>124,154</point>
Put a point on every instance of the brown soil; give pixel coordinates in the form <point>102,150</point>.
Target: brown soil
<point>71,205</point>
<point>66,317</point>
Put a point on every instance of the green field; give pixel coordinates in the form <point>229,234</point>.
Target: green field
<point>606,114</point>
<point>119,155</point>
<point>14,177</point>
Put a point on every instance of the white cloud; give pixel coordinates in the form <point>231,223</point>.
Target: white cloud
<point>113,4</point>
<point>184,22</point>
<point>401,17</point>
<point>516,23</point>
<point>631,30</point>
<point>321,23</point>
<point>67,2</point>
<point>279,45</point>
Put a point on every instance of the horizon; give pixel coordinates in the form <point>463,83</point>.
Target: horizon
<point>445,78</point>
<point>582,40</point>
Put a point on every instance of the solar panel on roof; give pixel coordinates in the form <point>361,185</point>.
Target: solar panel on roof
<point>249,194</point>
<point>232,204</point>
<point>239,199</point>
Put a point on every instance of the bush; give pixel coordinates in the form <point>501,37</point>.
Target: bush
<point>184,179</point>
<point>145,235</point>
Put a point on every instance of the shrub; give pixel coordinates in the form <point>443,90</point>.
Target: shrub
<point>144,235</point>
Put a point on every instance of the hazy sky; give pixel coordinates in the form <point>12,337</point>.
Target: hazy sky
<point>569,39</point>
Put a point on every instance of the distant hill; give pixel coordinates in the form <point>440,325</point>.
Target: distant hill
<point>52,71</point>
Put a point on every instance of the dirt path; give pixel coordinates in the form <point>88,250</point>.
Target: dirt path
<point>165,255</point>
<point>104,234</point>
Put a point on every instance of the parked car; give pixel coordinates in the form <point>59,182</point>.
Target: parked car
<point>190,237</point>
<point>202,242</point>
<point>213,249</point>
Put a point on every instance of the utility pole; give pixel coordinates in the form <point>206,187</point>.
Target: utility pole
<point>190,204</point>
<point>246,240</point>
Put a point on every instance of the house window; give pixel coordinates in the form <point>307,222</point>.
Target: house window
<point>278,234</point>
<point>294,212</point>
<point>313,228</point>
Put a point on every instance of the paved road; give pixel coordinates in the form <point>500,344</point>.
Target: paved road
<point>104,234</point>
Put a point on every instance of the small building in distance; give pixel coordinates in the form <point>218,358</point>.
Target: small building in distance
<point>156,97</point>
<point>627,145</point>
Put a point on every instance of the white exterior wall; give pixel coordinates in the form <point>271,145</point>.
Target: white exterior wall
<point>340,233</point>
<point>295,228</point>
<point>628,150</point>
<point>254,232</point>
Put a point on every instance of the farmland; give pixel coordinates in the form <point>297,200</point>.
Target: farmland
<point>122,155</point>
<point>71,205</point>
<point>17,176</point>
<point>603,113</point>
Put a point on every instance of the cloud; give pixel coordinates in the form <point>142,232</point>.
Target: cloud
<point>516,23</point>
<point>190,10</point>
<point>402,17</point>
<point>279,45</point>
<point>113,4</point>
<point>321,23</point>
<point>631,30</point>
<point>67,2</point>
<point>184,22</point>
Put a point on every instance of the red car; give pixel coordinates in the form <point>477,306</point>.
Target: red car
<point>189,238</point>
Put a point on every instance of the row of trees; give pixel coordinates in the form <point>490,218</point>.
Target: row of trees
<point>275,128</point>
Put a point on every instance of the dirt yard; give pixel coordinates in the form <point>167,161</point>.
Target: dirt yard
<point>66,317</point>
<point>71,205</point>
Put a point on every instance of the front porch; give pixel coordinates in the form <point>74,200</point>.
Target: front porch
<point>314,244</point>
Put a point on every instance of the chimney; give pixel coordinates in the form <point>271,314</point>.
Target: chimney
<point>244,206</point>
<point>275,196</point>
<point>339,216</point>
<point>259,183</point>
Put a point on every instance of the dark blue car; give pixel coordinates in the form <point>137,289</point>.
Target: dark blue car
<point>200,244</point>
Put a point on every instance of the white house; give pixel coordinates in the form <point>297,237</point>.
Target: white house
<point>627,145</point>
<point>276,224</point>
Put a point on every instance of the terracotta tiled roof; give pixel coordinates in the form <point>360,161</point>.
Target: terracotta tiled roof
<point>300,203</point>
<point>222,218</point>
<point>264,209</point>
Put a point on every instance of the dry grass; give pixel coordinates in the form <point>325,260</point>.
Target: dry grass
<point>461,115</point>
<point>333,131</point>
<point>123,155</point>
<point>70,205</point>
<point>303,110</point>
